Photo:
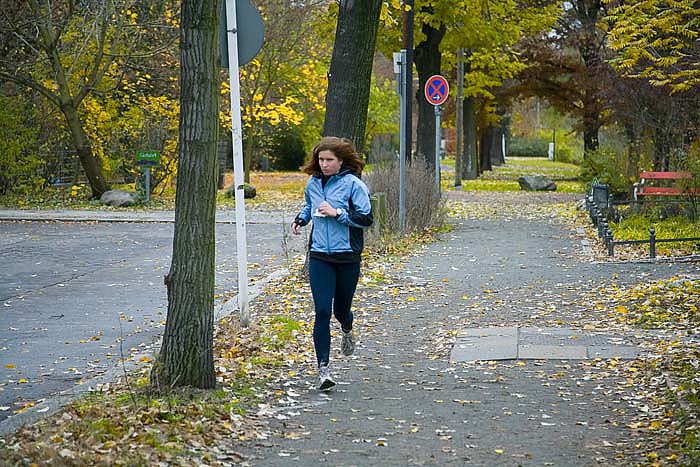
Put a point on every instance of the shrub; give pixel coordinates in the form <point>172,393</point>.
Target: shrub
<point>566,154</point>
<point>692,186</point>
<point>606,167</point>
<point>286,150</point>
<point>18,162</point>
<point>525,146</point>
<point>423,209</point>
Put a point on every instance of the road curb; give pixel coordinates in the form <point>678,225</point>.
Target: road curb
<point>54,404</point>
<point>222,217</point>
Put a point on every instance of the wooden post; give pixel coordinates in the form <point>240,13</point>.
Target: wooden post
<point>378,201</point>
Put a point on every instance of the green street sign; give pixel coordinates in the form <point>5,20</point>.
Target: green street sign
<point>148,158</point>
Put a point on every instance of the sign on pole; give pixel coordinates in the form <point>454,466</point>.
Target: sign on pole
<point>436,92</point>
<point>436,89</point>
<point>250,32</point>
<point>233,39</point>
<point>148,159</point>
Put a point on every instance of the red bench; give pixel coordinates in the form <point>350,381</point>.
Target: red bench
<point>643,189</point>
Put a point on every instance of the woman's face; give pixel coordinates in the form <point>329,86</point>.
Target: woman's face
<point>330,164</point>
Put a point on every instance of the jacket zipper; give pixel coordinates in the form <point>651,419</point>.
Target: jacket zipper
<point>328,235</point>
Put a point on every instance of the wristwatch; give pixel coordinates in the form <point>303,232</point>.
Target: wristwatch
<point>339,212</point>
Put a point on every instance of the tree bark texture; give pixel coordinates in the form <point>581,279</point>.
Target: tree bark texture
<point>504,136</point>
<point>350,74</point>
<point>186,357</point>
<point>428,59</point>
<point>633,130</point>
<point>470,166</point>
<point>591,124</point>
<point>489,142</point>
<point>590,48</point>
<point>663,142</point>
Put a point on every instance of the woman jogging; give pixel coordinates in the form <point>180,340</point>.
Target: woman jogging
<point>338,203</point>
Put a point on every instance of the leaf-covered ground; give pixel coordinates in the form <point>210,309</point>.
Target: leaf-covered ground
<point>664,385</point>
<point>261,368</point>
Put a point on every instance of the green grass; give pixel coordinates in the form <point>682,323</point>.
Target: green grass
<point>507,185</point>
<point>505,178</point>
<point>518,166</point>
<point>637,227</point>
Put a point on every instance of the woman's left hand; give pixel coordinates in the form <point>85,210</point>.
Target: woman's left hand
<point>327,210</point>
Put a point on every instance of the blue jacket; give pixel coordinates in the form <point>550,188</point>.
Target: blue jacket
<point>344,234</point>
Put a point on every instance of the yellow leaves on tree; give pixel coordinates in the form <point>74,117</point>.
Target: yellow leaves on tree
<point>655,40</point>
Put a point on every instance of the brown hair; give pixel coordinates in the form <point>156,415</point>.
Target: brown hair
<point>343,150</point>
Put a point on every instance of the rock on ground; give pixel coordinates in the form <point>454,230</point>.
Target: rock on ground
<point>118,198</point>
<point>536,183</point>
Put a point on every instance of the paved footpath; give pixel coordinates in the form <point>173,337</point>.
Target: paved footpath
<point>407,397</point>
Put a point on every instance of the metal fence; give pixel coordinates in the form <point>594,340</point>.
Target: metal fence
<point>599,201</point>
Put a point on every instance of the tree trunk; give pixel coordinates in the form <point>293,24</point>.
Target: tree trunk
<point>81,144</point>
<point>470,167</point>
<point>504,142</point>
<point>496,155</point>
<point>427,58</point>
<point>591,125</point>
<point>662,148</point>
<point>186,357</point>
<point>633,131</point>
<point>67,96</point>
<point>489,135</point>
<point>350,74</point>
<point>590,49</point>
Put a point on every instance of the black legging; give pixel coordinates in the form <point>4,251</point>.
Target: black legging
<point>332,284</point>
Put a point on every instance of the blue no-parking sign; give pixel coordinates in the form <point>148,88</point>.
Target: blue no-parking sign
<point>436,89</point>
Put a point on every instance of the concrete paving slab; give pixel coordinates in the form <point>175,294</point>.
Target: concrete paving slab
<point>498,343</point>
<point>552,352</point>
<point>530,343</point>
<point>562,336</point>
<point>625,352</point>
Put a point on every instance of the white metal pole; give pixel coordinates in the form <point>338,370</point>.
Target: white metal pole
<point>237,137</point>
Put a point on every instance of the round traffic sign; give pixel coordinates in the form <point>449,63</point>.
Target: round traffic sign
<point>436,89</point>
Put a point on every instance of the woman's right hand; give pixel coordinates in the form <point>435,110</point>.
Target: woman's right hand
<point>296,228</point>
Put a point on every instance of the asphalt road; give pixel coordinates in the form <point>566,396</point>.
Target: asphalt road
<point>76,297</point>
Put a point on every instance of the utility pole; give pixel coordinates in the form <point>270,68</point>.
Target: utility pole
<point>407,45</point>
<point>400,70</point>
<point>459,157</point>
